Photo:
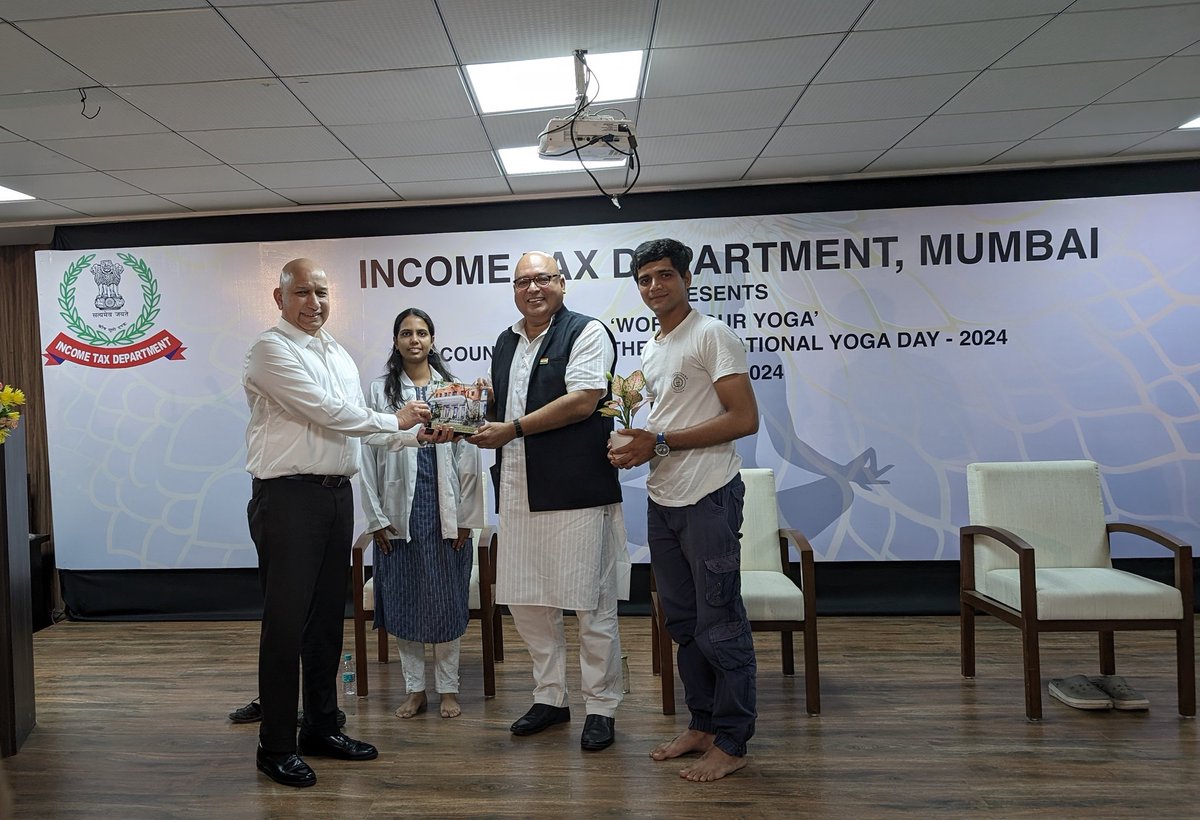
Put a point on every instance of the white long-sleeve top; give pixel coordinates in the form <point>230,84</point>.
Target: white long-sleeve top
<point>307,409</point>
<point>389,478</point>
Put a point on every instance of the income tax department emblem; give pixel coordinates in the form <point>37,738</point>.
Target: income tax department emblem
<point>110,337</point>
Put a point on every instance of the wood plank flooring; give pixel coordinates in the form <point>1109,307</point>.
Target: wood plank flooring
<point>132,724</point>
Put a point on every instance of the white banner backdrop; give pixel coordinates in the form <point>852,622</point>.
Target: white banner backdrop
<point>888,348</point>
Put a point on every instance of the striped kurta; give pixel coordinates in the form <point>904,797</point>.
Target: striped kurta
<point>553,558</point>
<point>421,586</point>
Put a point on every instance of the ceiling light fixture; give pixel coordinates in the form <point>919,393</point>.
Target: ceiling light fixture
<point>9,195</point>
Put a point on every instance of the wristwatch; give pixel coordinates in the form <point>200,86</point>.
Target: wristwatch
<point>661,448</point>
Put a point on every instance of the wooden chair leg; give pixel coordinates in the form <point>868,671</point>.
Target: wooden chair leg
<point>497,635</point>
<point>360,653</point>
<point>665,661</point>
<point>1033,670</point>
<point>812,667</point>
<point>1108,654</point>
<point>966,639</point>
<point>655,664</point>
<point>1185,665</point>
<point>383,645</point>
<point>789,657</point>
<point>489,656</point>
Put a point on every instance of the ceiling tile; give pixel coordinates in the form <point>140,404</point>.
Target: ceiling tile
<point>339,194</point>
<point>1126,118</point>
<point>706,22</point>
<point>614,181</point>
<point>42,9</point>
<point>910,52</point>
<point>871,135</point>
<point>912,13</point>
<point>1007,89</point>
<point>452,188</point>
<point>877,99</point>
<point>530,29</point>
<point>1188,141</point>
<point>729,111</point>
<point>1049,150</point>
<point>687,173</point>
<point>351,35</point>
<point>243,146</point>
<point>995,126</point>
<point>30,67</point>
<point>224,200</point>
<point>221,105</point>
<point>1117,35</point>
<point>309,174</point>
<point>1172,78</point>
<point>702,147</point>
<point>31,158</point>
<point>133,151</point>
<point>942,156</point>
<point>407,139</point>
<point>481,165</point>
<point>63,186</point>
<point>384,96</point>
<point>32,209</point>
<point>674,72</point>
<point>798,167</point>
<point>122,205</point>
<point>59,115</point>
<point>188,180</point>
<point>151,47</point>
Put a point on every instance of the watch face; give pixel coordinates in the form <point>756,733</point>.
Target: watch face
<point>661,449</point>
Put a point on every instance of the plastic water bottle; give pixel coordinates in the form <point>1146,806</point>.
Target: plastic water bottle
<point>349,685</point>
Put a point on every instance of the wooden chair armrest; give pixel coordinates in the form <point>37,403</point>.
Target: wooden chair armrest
<point>1025,562</point>
<point>804,549</point>
<point>1154,534</point>
<point>1184,571</point>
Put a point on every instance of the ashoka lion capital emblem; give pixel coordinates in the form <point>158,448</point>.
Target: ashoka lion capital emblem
<point>108,277</point>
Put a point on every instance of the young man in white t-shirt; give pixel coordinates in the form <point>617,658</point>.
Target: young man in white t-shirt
<point>697,378</point>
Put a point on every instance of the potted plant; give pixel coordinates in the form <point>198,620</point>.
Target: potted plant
<point>626,399</point>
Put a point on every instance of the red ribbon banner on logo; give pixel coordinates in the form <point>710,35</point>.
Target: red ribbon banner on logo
<point>161,345</point>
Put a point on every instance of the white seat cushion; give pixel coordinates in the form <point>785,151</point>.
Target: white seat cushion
<point>1087,593</point>
<point>771,596</point>
<point>369,595</point>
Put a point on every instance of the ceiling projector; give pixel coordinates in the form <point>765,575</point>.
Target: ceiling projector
<point>587,137</point>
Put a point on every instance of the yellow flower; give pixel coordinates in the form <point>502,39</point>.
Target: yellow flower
<point>11,396</point>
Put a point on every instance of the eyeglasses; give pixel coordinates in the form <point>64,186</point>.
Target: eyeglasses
<point>542,279</point>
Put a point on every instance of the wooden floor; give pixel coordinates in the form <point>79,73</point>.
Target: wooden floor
<point>132,724</point>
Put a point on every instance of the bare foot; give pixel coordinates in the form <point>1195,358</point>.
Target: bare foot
<point>712,765</point>
<point>414,706</point>
<point>450,707</point>
<point>686,743</point>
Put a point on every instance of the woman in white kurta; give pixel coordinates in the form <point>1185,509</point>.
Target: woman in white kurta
<point>421,504</point>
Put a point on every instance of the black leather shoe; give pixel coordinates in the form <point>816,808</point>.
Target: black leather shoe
<point>250,713</point>
<point>286,769</point>
<point>539,717</point>
<point>341,718</point>
<point>336,745</point>
<point>598,733</point>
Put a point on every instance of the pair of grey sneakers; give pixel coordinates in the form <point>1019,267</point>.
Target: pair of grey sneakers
<point>1100,692</point>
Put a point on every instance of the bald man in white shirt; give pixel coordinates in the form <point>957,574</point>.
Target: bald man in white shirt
<point>307,414</point>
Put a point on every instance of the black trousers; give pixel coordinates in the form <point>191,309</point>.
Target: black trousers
<point>302,532</point>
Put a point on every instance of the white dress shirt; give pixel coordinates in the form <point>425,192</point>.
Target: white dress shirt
<point>307,409</point>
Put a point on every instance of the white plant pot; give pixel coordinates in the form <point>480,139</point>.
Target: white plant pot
<point>617,439</point>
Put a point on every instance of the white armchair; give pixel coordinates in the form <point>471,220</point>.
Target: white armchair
<point>1036,555</point>
<point>775,600</point>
